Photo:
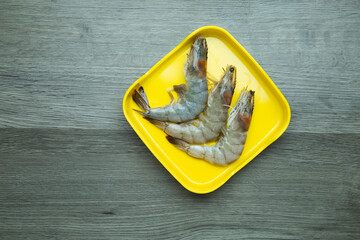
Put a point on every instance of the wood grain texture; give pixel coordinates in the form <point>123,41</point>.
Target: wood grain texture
<point>50,53</point>
<point>82,184</point>
<point>72,167</point>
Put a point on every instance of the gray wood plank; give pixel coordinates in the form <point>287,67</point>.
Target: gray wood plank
<point>69,64</point>
<point>79,184</point>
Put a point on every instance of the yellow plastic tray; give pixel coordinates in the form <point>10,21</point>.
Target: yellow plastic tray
<point>270,119</point>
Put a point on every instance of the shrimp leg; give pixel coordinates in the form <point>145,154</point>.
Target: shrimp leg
<point>180,89</point>
<point>172,101</point>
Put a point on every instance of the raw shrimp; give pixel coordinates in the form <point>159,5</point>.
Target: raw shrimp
<point>213,119</point>
<point>192,95</point>
<point>229,146</point>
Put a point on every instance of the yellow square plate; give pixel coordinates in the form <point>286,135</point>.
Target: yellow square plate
<point>270,119</point>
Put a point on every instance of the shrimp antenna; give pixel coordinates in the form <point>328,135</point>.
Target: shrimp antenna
<point>212,78</point>
<point>229,106</point>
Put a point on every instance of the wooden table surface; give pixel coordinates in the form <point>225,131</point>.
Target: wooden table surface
<point>71,167</point>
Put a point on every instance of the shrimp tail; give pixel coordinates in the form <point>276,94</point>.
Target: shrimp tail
<point>141,100</point>
<point>159,124</point>
<point>178,143</point>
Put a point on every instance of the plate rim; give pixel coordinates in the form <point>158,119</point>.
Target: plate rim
<point>207,188</point>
